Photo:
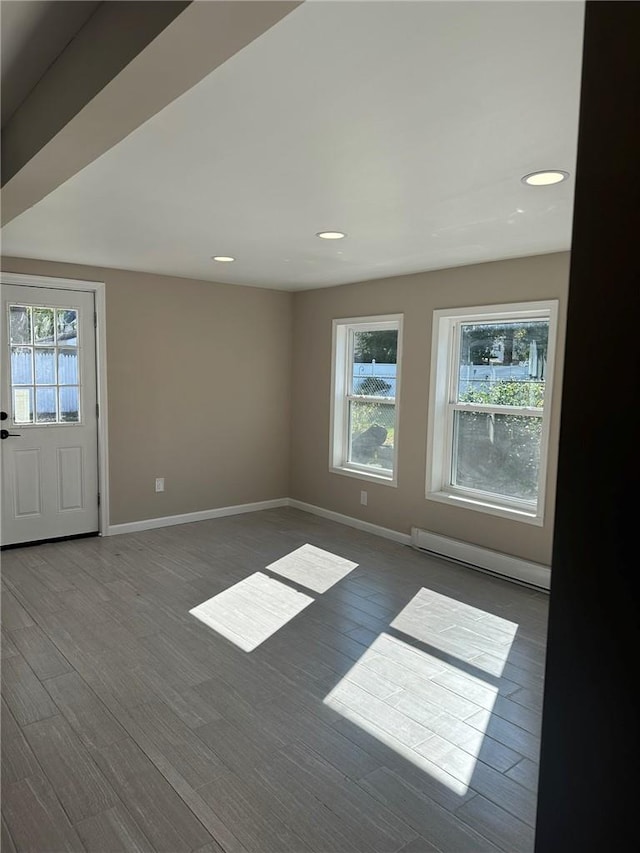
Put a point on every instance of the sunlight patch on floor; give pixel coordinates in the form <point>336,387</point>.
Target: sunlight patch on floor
<point>423,696</point>
<point>312,567</point>
<point>457,629</point>
<point>251,611</point>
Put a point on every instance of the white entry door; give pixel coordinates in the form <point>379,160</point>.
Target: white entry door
<point>49,424</point>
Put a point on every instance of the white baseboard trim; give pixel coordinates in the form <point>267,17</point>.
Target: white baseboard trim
<point>189,517</point>
<point>513,568</point>
<point>385,532</point>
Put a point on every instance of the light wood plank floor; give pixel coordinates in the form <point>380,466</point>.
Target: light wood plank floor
<point>332,691</point>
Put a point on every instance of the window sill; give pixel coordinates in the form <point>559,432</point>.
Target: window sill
<point>365,475</point>
<point>487,507</point>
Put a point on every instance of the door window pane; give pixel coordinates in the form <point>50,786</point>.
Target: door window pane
<point>45,361</point>
<point>69,404</point>
<point>46,405</point>
<point>23,405</point>
<point>20,324</point>
<point>67,326</point>
<point>43,328</point>
<point>21,366</point>
<point>67,367</point>
<point>44,356</point>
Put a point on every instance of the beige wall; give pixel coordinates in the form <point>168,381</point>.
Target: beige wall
<point>415,296</point>
<point>199,384</point>
<point>224,391</point>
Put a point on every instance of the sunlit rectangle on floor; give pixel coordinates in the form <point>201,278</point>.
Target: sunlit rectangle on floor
<point>418,697</point>
<point>249,612</point>
<point>312,567</point>
<point>456,628</point>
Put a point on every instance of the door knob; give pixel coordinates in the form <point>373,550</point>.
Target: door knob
<point>3,416</point>
<point>4,433</point>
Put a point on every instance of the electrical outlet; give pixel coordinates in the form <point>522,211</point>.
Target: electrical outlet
<point>363,498</point>
<point>159,484</point>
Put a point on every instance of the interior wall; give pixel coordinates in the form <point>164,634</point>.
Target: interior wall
<point>415,296</point>
<point>225,392</point>
<point>199,390</point>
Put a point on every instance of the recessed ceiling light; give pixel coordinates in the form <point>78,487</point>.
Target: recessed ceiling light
<point>331,235</point>
<point>546,178</point>
<point>223,259</point>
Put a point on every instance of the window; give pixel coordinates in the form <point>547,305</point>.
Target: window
<point>45,382</point>
<point>366,384</point>
<point>488,415</point>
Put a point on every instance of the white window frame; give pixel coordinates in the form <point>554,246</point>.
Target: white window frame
<point>342,358</point>
<point>445,357</point>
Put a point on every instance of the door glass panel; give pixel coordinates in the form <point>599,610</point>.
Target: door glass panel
<point>20,324</point>
<point>67,367</point>
<point>23,405</point>
<point>21,366</point>
<point>43,327</point>
<point>46,405</point>
<point>45,361</point>
<point>69,404</point>
<point>67,326</point>
<point>45,374</point>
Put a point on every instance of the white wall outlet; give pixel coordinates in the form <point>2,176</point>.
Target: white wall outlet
<point>363,498</point>
<point>159,484</point>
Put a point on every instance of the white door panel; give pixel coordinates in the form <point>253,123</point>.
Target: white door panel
<point>49,445</point>
<point>25,476</point>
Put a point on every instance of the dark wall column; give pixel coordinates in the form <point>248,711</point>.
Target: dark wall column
<point>589,768</point>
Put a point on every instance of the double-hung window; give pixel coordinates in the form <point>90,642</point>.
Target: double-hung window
<point>365,393</point>
<point>490,392</point>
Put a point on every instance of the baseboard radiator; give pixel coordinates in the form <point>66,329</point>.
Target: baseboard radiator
<point>513,568</point>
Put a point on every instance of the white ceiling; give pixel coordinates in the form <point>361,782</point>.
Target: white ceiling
<point>406,124</point>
